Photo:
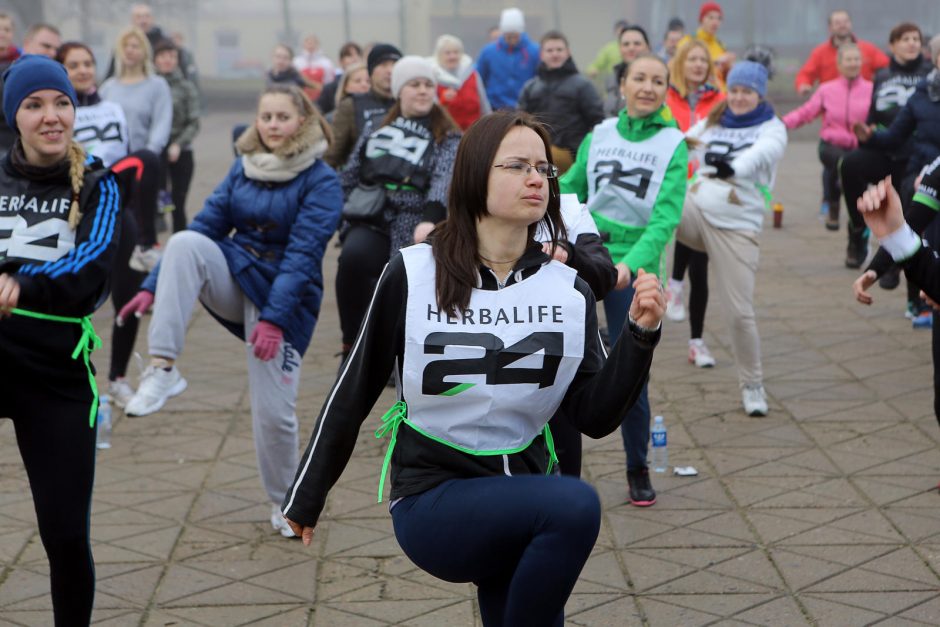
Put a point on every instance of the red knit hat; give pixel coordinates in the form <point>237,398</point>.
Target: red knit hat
<point>708,7</point>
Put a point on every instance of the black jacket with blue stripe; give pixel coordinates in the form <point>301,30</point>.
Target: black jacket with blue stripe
<point>60,271</point>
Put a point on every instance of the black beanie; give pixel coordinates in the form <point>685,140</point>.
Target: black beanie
<point>381,53</point>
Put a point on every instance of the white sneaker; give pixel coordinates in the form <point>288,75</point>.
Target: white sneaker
<point>144,260</point>
<point>754,399</point>
<point>675,308</point>
<point>700,355</point>
<point>156,387</point>
<point>120,391</point>
<point>280,523</point>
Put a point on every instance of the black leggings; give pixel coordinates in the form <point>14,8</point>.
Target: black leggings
<point>125,283</point>
<point>180,175</point>
<point>58,449</point>
<point>697,264</point>
<point>364,254</point>
<point>142,199</point>
<point>829,156</point>
<point>861,167</point>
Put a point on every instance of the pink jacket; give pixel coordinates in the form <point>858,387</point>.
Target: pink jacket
<point>842,103</point>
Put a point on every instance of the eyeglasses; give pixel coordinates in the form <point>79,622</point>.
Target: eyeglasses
<point>524,168</point>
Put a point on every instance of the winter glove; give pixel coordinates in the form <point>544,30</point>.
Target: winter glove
<point>723,169</point>
<point>266,339</point>
<point>137,306</point>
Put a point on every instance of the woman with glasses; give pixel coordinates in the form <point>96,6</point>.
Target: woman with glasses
<point>631,171</point>
<point>403,171</point>
<point>488,337</point>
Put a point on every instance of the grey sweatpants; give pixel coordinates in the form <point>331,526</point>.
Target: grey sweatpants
<point>194,268</point>
<point>734,256</point>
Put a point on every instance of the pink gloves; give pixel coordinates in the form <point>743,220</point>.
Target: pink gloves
<point>265,338</point>
<point>138,306</point>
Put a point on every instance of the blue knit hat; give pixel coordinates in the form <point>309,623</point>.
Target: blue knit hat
<point>31,73</point>
<point>749,74</point>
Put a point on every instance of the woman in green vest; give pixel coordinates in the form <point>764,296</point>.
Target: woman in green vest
<point>631,170</point>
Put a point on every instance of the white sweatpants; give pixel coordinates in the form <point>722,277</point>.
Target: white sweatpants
<point>194,268</point>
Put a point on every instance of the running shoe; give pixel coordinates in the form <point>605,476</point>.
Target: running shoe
<point>157,385</point>
<point>891,278</point>
<point>700,355</point>
<point>279,523</point>
<point>165,202</point>
<point>642,493</point>
<point>120,391</point>
<point>144,259</point>
<point>675,309</point>
<point>923,320</point>
<point>754,399</point>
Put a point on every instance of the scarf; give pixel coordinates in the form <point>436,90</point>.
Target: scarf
<point>271,168</point>
<point>763,112</point>
<point>285,162</point>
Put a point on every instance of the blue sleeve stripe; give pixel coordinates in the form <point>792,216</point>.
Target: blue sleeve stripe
<point>102,232</point>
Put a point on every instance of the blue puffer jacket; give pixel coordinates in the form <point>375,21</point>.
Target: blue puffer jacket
<point>505,69</point>
<point>918,119</point>
<point>276,251</point>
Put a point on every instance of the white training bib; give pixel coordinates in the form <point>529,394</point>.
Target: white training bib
<point>624,177</point>
<point>726,143</point>
<point>489,380</point>
<point>101,129</point>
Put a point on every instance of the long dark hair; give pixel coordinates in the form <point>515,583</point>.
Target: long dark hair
<point>455,239</point>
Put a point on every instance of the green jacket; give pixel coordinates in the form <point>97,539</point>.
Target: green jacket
<point>185,109</point>
<point>607,57</point>
<point>638,247</point>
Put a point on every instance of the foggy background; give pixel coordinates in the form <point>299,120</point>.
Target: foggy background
<point>232,39</point>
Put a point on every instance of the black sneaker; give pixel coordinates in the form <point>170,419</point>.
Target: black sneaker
<point>642,493</point>
<point>857,250</point>
<point>891,278</point>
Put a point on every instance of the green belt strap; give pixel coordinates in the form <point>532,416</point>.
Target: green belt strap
<point>88,342</point>
<point>398,413</point>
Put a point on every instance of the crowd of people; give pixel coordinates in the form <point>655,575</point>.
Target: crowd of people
<point>483,208</point>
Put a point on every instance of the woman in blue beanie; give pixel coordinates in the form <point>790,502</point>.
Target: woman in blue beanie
<point>58,231</point>
<point>740,144</point>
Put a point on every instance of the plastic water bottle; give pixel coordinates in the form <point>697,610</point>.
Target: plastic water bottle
<point>659,456</point>
<point>104,422</point>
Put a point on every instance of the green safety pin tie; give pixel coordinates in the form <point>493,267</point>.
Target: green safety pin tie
<point>88,342</point>
<point>390,422</point>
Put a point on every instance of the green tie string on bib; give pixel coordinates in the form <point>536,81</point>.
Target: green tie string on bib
<point>390,422</point>
<point>398,414</point>
<point>87,343</point>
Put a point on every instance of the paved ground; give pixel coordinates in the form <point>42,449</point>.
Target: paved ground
<point>825,512</point>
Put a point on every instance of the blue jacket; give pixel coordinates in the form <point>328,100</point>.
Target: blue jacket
<point>506,69</point>
<point>918,119</point>
<point>276,251</point>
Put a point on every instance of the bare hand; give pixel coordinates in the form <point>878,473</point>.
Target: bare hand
<point>649,302</point>
<point>9,294</point>
<point>173,152</point>
<point>933,304</point>
<point>422,231</point>
<point>863,132</point>
<point>560,253</point>
<point>804,90</point>
<point>880,205</point>
<point>305,533</point>
<point>861,286</point>
<point>624,276</point>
